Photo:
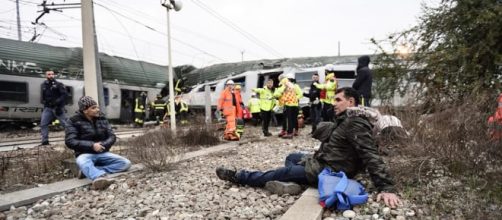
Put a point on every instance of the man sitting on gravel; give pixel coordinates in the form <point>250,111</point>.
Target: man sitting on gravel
<point>90,135</point>
<point>347,145</point>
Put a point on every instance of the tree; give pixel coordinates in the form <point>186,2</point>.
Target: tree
<point>454,51</point>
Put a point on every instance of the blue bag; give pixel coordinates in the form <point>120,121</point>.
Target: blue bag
<point>335,189</point>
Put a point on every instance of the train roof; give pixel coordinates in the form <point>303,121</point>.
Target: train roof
<point>31,59</point>
<point>218,71</point>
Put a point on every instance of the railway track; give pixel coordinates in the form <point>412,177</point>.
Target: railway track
<point>33,142</point>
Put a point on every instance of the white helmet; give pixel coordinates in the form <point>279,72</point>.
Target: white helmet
<point>230,82</point>
<point>329,67</point>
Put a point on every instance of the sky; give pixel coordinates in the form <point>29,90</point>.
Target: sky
<point>206,32</point>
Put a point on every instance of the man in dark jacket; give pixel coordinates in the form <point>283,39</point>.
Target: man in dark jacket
<point>90,135</point>
<point>53,97</point>
<point>363,80</point>
<point>347,146</point>
<point>315,104</point>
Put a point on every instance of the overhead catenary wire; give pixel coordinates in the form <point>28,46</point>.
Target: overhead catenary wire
<point>241,31</point>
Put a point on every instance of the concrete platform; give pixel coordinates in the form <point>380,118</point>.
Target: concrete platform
<point>306,207</point>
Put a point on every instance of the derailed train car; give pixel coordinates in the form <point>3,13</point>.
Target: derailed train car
<point>22,72</point>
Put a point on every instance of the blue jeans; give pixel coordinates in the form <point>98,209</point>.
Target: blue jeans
<point>292,172</point>
<point>48,114</point>
<point>96,165</point>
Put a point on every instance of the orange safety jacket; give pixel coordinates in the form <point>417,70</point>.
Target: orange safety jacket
<point>225,103</point>
<point>495,121</point>
<point>238,100</point>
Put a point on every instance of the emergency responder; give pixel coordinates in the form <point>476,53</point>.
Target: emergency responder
<point>289,94</point>
<point>139,110</point>
<point>240,111</point>
<point>180,110</point>
<point>54,99</point>
<point>327,95</point>
<point>495,122</point>
<point>159,107</point>
<point>254,108</point>
<point>228,105</point>
<point>267,103</point>
<point>315,102</point>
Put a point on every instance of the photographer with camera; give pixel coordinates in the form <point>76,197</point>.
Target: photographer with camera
<point>53,97</point>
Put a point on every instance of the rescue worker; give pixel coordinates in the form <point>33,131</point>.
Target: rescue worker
<point>180,110</point>
<point>315,102</point>
<point>228,105</point>
<point>254,108</point>
<point>139,110</point>
<point>289,94</point>
<point>267,103</point>
<point>159,107</point>
<point>327,94</point>
<point>240,111</point>
<point>495,122</point>
<point>54,99</point>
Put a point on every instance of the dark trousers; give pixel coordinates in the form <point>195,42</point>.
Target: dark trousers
<point>292,172</point>
<point>289,123</point>
<point>328,112</point>
<point>256,118</point>
<point>315,115</point>
<point>265,120</point>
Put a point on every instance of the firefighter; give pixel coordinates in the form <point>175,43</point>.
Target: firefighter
<point>159,107</point>
<point>267,103</point>
<point>180,110</point>
<point>139,110</point>
<point>327,95</point>
<point>228,105</point>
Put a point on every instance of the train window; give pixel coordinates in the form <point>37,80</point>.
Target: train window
<point>242,82</point>
<point>13,91</point>
<point>304,79</point>
<point>106,93</point>
<point>345,74</point>
<point>69,98</point>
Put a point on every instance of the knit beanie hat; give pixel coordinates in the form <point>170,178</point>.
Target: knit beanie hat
<point>85,102</point>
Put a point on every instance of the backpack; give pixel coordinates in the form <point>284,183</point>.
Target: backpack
<point>336,190</point>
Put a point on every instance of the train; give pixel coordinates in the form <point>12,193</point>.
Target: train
<point>196,98</point>
<point>22,72</point>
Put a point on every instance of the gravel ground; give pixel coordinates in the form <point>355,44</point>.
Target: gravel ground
<point>190,190</point>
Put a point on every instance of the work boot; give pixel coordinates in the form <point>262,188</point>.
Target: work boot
<point>282,133</point>
<point>44,143</point>
<point>102,182</point>
<point>267,134</point>
<point>226,174</point>
<point>279,188</point>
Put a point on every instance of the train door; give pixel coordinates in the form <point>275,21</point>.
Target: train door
<point>127,104</point>
<point>266,76</point>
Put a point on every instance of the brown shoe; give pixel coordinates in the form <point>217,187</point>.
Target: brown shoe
<point>102,182</point>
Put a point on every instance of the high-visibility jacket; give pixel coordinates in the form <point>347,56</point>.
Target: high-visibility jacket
<point>228,102</point>
<point>179,107</point>
<point>267,102</point>
<point>254,105</point>
<point>159,104</point>
<point>330,88</point>
<point>289,94</point>
<point>139,106</point>
<point>238,99</point>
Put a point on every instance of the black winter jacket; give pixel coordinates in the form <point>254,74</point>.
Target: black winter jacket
<point>364,77</point>
<point>53,94</point>
<point>348,146</point>
<point>81,134</point>
<point>314,92</point>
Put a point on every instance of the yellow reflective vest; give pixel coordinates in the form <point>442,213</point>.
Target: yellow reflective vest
<point>266,98</point>
<point>254,105</point>
<point>330,87</point>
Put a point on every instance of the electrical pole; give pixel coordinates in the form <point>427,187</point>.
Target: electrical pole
<point>338,48</point>
<point>92,69</point>
<point>19,37</point>
<point>242,55</point>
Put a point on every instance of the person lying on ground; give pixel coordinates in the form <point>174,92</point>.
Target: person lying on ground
<point>347,145</point>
